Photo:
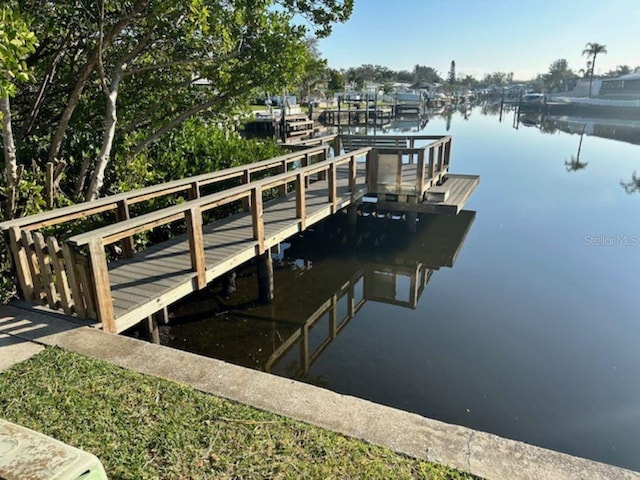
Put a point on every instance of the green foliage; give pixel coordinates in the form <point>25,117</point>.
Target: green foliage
<point>558,71</point>
<point>7,285</point>
<point>196,147</point>
<point>142,427</point>
<point>17,41</point>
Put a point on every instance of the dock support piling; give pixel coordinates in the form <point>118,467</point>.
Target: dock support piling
<point>151,330</point>
<point>265,278</point>
<point>352,215</point>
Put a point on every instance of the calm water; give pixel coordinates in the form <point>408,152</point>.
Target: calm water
<point>520,317</point>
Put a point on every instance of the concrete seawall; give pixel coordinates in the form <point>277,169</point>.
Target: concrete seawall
<point>482,454</point>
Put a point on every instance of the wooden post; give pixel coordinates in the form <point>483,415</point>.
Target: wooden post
<point>447,153</point>
<point>412,220</point>
<point>62,283</point>
<point>122,214</point>
<point>246,179</point>
<point>432,165</point>
<point>301,204</point>
<point>257,217</point>
<point>337,146</point>
<point>21,264</point>
<point>282,189</point>
<point>352,214</point>
<point>265,277</point>
<point>194,191</point>
<point>352,177</point>
<point>102,286</point>
<point>420,174</point>
<point>440,159</point>
<point>196,245</point>
<point>150,327</point>
<point>333,192</point>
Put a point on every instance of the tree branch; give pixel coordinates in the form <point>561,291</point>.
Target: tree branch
<point>85,73</point>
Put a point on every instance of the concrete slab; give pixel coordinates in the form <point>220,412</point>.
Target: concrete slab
<point>482,454</point>
<point>15,350</point>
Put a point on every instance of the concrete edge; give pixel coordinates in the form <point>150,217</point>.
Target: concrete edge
<point>479,453</point>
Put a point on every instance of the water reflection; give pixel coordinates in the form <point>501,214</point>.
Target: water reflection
<point>575,164</point>
<point>323,279</point>
<point>397,275</point>
<point>622,130</point>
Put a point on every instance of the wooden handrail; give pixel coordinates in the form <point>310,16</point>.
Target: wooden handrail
<point>112,233</point>
<point>85,209</point>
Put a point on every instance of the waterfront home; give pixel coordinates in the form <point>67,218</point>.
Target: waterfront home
<point>626,87</point>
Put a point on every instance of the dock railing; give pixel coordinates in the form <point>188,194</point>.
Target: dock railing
<point>392,168</point>
<point>73,276</point>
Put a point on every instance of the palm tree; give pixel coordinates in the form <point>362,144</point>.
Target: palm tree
<point>592,50</point>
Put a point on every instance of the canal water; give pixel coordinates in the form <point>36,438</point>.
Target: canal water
<point>519,317</point>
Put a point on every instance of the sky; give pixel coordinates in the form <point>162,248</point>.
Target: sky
<point>523,37</point>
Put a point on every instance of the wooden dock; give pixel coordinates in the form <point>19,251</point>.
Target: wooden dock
<point>228,217</point>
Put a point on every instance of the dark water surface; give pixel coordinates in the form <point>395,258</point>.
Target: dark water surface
<point>520,317</point>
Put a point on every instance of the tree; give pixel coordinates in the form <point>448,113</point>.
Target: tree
<point>17,41</point>
<point>336,81</point>
<point>591,50</point>
<point>558,72</point>
<point>114,79</point>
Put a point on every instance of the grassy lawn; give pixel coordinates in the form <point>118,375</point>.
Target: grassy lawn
<point>142,427</point>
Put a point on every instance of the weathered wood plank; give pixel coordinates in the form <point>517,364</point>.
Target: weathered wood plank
<point>74,283</point>
<point>44,263</point>
<point>60,273</point>
<point>21,264</point>
<point>32,260</point>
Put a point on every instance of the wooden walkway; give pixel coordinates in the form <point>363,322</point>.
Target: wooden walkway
<point>273,200</point>
<point>162,274</point>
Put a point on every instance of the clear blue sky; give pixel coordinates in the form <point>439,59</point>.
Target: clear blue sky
<point>523,37</point>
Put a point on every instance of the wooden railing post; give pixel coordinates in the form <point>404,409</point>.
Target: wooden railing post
<point>399,173</point>
<point>301,202</point>
<point>246,178</point>
<point>257,218</point>
<point>352,177</point>
<point>440,157</point>
<point>333,187</point>
<point>194,191</point>
<point>371,173</point>
<point>337,146</point>
<point>122,214</point>
<point>196,245</point>
<point>432,165</point>
<point>282,189</point>
<point>420,173</point>
<point>102,285</point>
<point>447,153</point>
<point>21,263</point>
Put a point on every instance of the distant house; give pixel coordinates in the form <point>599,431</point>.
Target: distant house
<point>624,87</point>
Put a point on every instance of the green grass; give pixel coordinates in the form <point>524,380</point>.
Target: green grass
<point>142,427</point>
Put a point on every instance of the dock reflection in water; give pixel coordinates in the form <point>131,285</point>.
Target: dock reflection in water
<point>322,281</point>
